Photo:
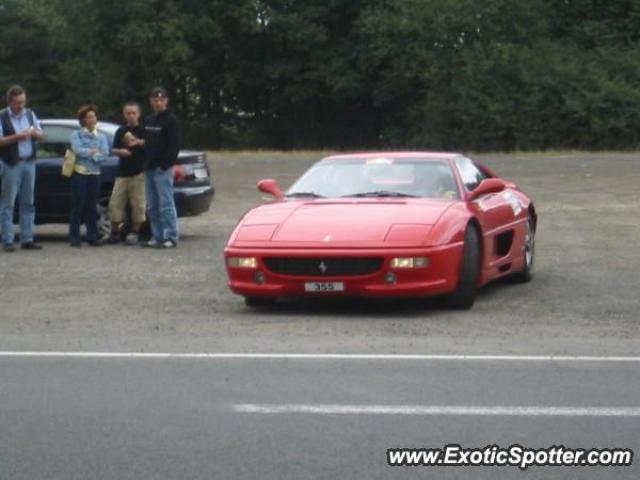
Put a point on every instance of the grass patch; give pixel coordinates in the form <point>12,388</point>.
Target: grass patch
<point>240,155</point>
<point>267,154</point>
<point>560,153</point>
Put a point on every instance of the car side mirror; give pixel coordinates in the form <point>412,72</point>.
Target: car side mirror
<point>270,187</point>
<point>488,185</point>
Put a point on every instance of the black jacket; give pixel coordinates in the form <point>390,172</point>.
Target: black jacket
<point>162,140</point>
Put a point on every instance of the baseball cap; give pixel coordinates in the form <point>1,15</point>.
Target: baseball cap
<point>158,92</point>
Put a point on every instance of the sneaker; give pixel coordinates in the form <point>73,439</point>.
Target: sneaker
<point>95,243</point>
<point>150,244</point>
<point>31,246</point>
<point>9,247</point>
<point>131,239</point>
<point>168,244</point>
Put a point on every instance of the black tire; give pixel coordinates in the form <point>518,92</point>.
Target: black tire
<point>526,274</point>
<point>465,293</point>
<point>259,302</point>
<point>104,225</point>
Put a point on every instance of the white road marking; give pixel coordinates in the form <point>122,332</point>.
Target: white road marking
<point>437,410</point>
<point>326,356</point>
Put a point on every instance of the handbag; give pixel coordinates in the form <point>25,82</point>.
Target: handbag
<point>69,163</point>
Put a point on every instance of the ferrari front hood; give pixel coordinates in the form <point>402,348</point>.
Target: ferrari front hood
<point>352,222</point>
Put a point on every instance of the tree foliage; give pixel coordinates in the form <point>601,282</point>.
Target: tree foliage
<point>446,74</point>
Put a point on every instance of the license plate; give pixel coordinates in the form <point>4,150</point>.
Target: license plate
<point>200,173</point>
<point>323,287</point>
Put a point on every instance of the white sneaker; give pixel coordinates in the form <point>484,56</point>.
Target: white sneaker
<point>168,244</point>
<point>132,239</point>
<point>150,244</point>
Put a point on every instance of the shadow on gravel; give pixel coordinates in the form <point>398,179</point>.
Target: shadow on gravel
<point>414,307</point>
<point>503,287</point>
<point>64,238</point>
<point>50,238</point>
<point>354,307</point>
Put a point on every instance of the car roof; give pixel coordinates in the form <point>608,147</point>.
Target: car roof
<point>107,127</point>
<point>404,154</point>
<point>73,122</point>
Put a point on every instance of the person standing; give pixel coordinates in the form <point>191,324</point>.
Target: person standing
<point>19,132</point>
<point>162,144</point>
<point>129,187</point>
<point>91,148</point>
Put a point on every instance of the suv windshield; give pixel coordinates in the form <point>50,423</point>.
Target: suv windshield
<point>377,177</point>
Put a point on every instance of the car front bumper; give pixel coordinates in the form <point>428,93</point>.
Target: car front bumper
<point>440,277</point>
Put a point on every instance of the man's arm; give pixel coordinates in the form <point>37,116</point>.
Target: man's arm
<point>134,141</point>
<point>9,139</point>
<point>173,144</point>
<point>121,152</point>
<point>31,132</point>
<point>118,149</point>
<point>36,133</point>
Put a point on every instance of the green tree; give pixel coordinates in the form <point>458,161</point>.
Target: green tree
<point>451,74</point>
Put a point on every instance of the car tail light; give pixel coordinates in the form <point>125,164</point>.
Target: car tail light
<point>186,172</point>
<point>179,173</point>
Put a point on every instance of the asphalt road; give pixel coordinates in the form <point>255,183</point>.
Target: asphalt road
<point>136,418</point>
<point>180,418</point>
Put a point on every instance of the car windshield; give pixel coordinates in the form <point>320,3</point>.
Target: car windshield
<point>377,177</point>
<point>108,129</point>
<point>58,133</point>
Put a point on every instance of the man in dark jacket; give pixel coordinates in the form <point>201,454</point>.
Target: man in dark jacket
<point>162,144</point>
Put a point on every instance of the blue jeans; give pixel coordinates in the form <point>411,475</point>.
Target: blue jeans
<point>161,205</point>
<point>85,191</point>
<point>18,181</point>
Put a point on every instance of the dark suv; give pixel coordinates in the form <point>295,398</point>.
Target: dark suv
<point>193,188</point>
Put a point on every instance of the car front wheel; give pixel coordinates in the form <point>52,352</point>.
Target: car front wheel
<point>465,293</point>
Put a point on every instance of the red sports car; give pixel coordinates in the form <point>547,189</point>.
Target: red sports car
<point>407,224</point>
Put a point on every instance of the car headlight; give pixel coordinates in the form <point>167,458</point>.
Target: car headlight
<point>409,262</point>
<point>242,262</point>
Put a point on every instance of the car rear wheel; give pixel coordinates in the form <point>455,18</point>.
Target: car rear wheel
<point>526,274</point>
<point>465,293</point>
<point>257,302</point>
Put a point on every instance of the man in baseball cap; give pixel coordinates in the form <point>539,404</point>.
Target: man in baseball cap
<point>162,144</point>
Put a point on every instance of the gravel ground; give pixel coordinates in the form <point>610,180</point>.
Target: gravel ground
<point>584,298</point>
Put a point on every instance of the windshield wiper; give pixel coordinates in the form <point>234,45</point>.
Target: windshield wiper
<point>381,193</point>
<point>304,194</point>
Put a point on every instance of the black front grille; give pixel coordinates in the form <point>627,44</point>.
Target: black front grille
<point>324,267</point>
